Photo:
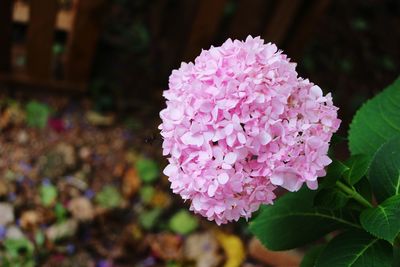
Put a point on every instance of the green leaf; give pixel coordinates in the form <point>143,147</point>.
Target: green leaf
<point>310,258</point>
<point>331,198</point>
<point>146,193</point>
<point>149,218</point>
<point>357,167</point>
<point>396,256</point>
<point>48,194</point>
<point>109,197</point>
<point>364,189</point>
<point>376,122</point>
<point>60,212</point>
<point>147,169</point>
<point>15,246</point>
<point>384,173</point>
<point>293,221</point>
<point>183,222</point>
<point>37,114</point>
<point>356,249</point>
<point>384,220</point>
<point>39,238</point>
<point>334,172</point>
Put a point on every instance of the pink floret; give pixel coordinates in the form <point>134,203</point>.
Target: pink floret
<point>239,123</point>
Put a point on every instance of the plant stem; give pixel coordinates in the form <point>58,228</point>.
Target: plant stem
<point>353,194</point>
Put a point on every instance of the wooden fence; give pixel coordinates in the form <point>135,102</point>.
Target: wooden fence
<point>193,25</point>
<point>81,23</point>
<point>288,23</point>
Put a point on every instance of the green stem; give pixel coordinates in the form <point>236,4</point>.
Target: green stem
<point>353,194</point>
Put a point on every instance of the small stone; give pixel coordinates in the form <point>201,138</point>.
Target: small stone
<point>84,153</point>
<point>13,232</point>
<point>202,248</point>
<point>68,153</point>
<point>81,209</point>
<point>22,137</point>
<point>131,183</point>
<point>30,219</point>
<point>62,230</point>
<point>6,213</point>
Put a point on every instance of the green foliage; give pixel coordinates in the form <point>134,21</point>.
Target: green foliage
<point>334,172</point>
<point>376,122</point>
<point>37,114</point>
<point>148,219</point>
<point>347,199</point>
<point>146,193</point>
<point>355,249</point>
<point>331,198</point>
<point>310,258</point>
<point>48,194</point>
<point>39,238</point>
<point>18,253</point>
<point>60,212</point>
<point>109,197</point>
<point>384,220</point>
<point>384,173</point>
<point>183,222</point>
<point>147,169</point>
<point>357,167</point>
<point>293,221</point>
<point>304,216</point>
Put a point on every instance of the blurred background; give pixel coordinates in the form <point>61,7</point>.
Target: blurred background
<point>81,86</point>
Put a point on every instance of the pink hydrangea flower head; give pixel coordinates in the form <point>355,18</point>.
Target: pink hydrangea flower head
<point>239,123</point>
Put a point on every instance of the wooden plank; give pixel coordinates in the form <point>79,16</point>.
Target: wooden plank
<point>21,15</point>
<point>249,18</point>
<point>306,27</point>
<point>81,47</point>
<point>5,35</point>
<point>40,37</point>
<point>205,26</point>
<point>29,82</point>
<point>283,15</point>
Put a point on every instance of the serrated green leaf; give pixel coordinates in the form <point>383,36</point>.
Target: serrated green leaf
<point>293,221</point>
<point>376,122</point>
<point>357,167</point>
<point>310,258</point>
<point>147,169</point>
<point>384,173</point>
<point>331,198</point>
<point>356,249</point>
<point>183,222</point>
<point>37,114</point>
<point>383,221</point>
<point>364,189</point>
<point>334,172</point>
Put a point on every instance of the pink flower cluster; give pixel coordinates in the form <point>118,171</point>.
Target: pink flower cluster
<point>239,123</point>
